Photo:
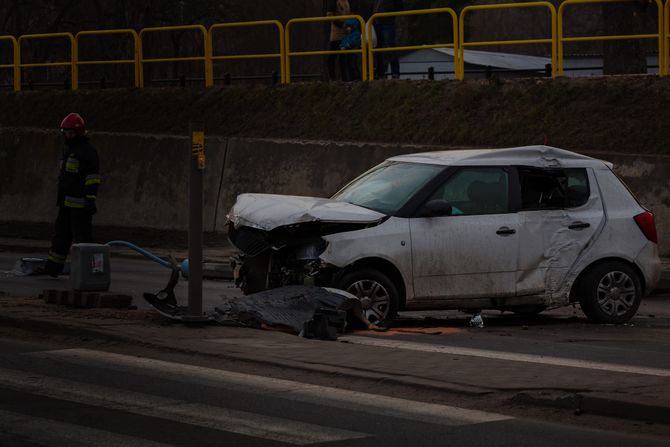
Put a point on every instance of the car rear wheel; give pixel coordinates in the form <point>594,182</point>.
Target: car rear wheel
<point>378,294</point>
<point>610,293</point>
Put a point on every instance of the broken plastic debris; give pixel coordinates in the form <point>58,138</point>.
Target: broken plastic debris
<point>311,312</point>
<point>477,321</point>
<point>29,266</point>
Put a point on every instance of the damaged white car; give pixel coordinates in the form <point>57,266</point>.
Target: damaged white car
<point>520,229</point>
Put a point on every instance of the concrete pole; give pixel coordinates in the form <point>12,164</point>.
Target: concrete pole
<point>197,165</point>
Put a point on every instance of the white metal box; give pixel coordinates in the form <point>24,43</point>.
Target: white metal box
<point>90,270</point>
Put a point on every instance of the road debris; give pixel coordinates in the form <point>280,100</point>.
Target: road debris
<point>311,312</point>
<point>476,320</point>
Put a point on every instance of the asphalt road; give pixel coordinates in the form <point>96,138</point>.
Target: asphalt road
<point>563,332</point>
<point>53,396</point>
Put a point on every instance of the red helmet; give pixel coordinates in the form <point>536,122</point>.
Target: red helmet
<point>74,121</point>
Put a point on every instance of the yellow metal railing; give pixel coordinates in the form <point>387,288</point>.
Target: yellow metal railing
<point>280,55</point>
<point>15,61</point>
<point>379,15</point>
<point>663,61</point>
<point>551,40</point>
<point>557,40</point>
<point>660,36</point>
<point>78,62</point>
<point>205,58</point>
<point>362,51</point>
<point>70,63</point>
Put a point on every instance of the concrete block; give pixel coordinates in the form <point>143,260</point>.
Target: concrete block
<point>215,270</point>
<point>76,298</point>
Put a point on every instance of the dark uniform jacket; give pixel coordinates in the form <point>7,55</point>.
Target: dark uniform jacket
<point>79,175</point>
<point>387,6</point>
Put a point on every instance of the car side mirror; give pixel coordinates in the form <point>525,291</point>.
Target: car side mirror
<point>436,208</point>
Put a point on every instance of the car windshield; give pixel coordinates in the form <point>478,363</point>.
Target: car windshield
<point>387,187</point>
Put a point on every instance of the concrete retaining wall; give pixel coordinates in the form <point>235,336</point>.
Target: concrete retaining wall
<point>145,177</point>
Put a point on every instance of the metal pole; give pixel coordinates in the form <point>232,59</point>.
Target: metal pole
<point>197,165</point>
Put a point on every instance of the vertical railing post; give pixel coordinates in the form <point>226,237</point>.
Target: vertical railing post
<point>140,60</point>
<point>209,64</point>
<point>74,59</point>
<point>287,53</point>
<point>17,65</point>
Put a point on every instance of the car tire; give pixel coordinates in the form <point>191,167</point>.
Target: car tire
<point>378,295</point>
<point>610,293</point>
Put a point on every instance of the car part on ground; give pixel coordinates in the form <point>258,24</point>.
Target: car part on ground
<point>312,312</point>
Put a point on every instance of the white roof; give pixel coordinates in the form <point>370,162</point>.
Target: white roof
<point>541,156</point>
<point>509,61</point>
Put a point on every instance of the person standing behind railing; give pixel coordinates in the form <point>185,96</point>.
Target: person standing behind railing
<point>337,32</point>
<point>385,29</point>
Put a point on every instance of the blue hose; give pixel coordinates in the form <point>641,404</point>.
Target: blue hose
<point>141,251</point>
<point>183,267</point>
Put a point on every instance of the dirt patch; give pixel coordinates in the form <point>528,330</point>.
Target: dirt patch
<point>618,114</point>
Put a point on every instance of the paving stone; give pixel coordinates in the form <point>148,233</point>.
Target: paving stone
<point>76,298</point>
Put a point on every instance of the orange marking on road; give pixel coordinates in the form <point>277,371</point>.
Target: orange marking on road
<point>412,331</point>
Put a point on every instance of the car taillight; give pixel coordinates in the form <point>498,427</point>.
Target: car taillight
<point>646,223</point>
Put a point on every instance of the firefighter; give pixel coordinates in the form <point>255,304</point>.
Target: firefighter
<point>78,182</point>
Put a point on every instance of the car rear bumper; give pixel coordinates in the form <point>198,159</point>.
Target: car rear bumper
<point>649,262</point>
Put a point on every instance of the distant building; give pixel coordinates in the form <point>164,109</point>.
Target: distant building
<point>479,64</point>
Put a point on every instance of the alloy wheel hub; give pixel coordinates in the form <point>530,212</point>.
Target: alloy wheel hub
<point>616,293</point>
<point>374,298</point>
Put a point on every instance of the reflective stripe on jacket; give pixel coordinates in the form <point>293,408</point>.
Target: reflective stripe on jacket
<point>79,175</point>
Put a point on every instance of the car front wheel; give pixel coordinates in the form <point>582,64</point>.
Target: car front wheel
<point>378,294</point>
<point>610,293</point>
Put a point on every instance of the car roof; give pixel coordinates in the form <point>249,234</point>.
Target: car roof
<point>539,156</point>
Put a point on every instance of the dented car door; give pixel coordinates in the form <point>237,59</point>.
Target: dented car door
<point>560,213</point>
<point>471,251</point>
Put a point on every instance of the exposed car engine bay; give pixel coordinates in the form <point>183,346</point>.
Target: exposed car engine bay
<point>287,255</point>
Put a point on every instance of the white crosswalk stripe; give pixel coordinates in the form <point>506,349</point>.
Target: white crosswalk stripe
<point>218,418</point>
<point>501,355</point>
<point>286,389</point>
<point>49,432</point>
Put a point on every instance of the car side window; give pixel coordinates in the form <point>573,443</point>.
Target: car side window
<point>553,188</point>
<point>475,190</point>
<point>578,190</point>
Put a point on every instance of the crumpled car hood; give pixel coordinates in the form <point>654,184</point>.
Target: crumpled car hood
<point>269,211</point>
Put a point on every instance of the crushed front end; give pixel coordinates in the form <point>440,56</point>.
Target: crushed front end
<point>280,238</point>
<point>287,255</point>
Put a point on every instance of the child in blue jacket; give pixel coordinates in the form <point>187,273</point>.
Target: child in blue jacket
<point>351,41</point>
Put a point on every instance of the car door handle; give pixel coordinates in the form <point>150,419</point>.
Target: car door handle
<point>504,231</point>
<point>579,225</point>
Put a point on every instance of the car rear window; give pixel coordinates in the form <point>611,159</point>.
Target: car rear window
<point>553,188</point>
